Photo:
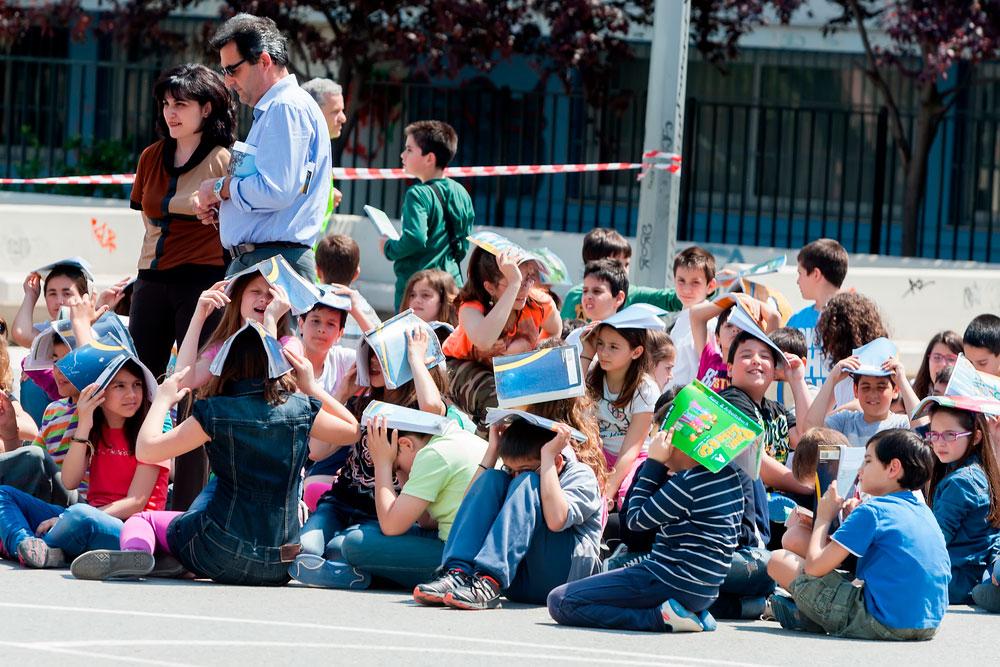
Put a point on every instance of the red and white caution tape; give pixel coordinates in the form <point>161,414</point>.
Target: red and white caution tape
<point>669,162</point>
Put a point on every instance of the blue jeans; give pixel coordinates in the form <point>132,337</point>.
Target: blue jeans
<point>84,528</point>
<point>500,531</point>
<point>20,514</point>
<point>321,535</point>
<point>406,560</point>
<point>626,599</point>
<point>747,579</point>
<point>27,469</point>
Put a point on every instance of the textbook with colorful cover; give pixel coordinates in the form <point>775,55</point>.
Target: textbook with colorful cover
<point>713,431</point>
<point>382,222</point>
<point>495,244</point>
<point>99,362</point>
<point>840,464</point>
<point>277,365</point>
<point>406,419</point>
<point>495,415</point>
<point>276,270</point>
<point>968,389</point>
<point>388,341</point>
<point>540,375</point>
<point>40,356</point>
<point>730,282</point>
<point>242,160</point>
<point>558,272</point>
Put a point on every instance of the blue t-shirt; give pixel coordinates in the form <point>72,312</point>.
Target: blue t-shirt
<point>901,558</point>
<point>817,367</point>
<point>858,431</point>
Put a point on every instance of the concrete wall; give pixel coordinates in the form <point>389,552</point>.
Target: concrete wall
<point>917,297</point>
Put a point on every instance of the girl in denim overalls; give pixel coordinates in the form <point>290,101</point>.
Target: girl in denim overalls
<point>257,431</point>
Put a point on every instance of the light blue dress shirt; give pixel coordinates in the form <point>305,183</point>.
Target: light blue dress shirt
<point>289,132</point>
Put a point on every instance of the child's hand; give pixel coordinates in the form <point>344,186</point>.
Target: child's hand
<point>795,368</point>
<point>383,446</point>
<point>554,447</point>
<point>849,506</point>
<point>305,378</point>
<point>348,385</point>
<point>895,366</point>
<point>8,418</point>
<point>496,430</point>
<point>661,446</point>
<point>90,399</point>
<point>381,240</point>
<point>507,261</point>
<point>417,341</point>
<point>352,294</point>
<point>844,367</point>
<point>829,504</point>
<point>33,287</point>
<point>279,304</point>
<point>82,311</point>
<point>211,299</point>
<point>112,296</point>
<point>45,526</point>
<point>170,389</point>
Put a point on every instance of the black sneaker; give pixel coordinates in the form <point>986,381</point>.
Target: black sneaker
<point>432,593</point>
<point>481,592</point>
<point>788,615</point>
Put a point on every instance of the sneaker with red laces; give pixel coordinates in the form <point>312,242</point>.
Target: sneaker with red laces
<point>432,593</point>
<point>481,592</point>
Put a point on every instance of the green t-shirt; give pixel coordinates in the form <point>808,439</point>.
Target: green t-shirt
<point>441,473</point>
<point>424,242</point>
<point>664,298</point>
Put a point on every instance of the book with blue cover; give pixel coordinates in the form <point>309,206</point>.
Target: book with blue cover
<point>406,419</point>
<point>242,160</point>
<point>302,295</point>
<point>383,225</point>
<point>537,376</point>
<point>872,355</point>
<point>99,361</point>
<point>75,262</point>
<point>40,356</point>
<point>388,341</point>
<point>277,365</point>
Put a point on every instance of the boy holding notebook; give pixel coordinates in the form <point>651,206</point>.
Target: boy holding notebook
<point>437,212</point>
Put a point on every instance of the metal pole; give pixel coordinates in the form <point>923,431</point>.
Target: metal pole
<point>656,231</point>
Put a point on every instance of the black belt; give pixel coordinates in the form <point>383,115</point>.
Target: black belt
<point>241,249</point>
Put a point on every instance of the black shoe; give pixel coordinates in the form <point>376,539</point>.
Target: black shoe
<point>482,592</point>
<point>103,564</point>
<point>432,593</point>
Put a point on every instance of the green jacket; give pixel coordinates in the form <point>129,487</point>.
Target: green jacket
<point>424,242</point>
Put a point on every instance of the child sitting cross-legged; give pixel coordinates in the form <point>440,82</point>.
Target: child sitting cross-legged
<point>524,529</point>
<point>901,552</point>
<point>697,517</point>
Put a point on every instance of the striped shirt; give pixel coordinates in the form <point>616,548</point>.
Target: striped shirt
<point>58,426</point>
<point>697,516</point>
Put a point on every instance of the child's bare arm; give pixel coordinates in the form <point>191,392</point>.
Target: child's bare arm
<point>820,408</point>
<point>825,555</point>
<point>22,329</point>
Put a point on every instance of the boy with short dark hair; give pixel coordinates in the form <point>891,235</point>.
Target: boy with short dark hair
<point>902,558</point>
<point>338,263</point>
<point>981,343</point>
<point>822,268</point>
<point>605,289</point>
<point>437,212</point>
<point>603,243</point>
<point>694,281</point>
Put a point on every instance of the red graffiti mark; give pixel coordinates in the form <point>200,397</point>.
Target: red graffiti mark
<point>105,235</point>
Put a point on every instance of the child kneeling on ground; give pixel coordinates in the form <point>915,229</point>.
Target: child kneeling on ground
<point>697,515</point>
<point>524,529</point>
<point>901,552</point>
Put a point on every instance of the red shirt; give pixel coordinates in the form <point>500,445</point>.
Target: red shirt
<point>112,468</point>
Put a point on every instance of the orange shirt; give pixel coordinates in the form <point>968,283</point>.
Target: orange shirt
<point>528,325</point>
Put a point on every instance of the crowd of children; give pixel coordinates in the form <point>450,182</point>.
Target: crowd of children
<point>309,441</point>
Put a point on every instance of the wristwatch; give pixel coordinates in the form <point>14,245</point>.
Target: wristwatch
<point>217,188</point>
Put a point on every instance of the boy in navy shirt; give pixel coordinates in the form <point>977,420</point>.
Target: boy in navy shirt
<point>901,552</point>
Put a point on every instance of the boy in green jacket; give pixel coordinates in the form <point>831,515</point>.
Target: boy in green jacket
<point>437,212</point>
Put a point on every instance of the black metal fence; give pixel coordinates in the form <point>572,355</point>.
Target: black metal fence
<point>781,176</point>
<point>753,174</point>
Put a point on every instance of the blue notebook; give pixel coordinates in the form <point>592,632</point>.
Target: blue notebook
<point>538,376</point>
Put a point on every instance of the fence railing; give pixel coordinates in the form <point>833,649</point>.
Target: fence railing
<point>754,174</point>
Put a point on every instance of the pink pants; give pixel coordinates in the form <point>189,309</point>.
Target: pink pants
<point>147,531</point>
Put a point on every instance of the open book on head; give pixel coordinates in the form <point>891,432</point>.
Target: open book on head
<point>99,361</point>
<point>498,415</point>
<point>41,354</point>
<point>713,431</point>
<point>495,244</point>
<point>302,295</point>
<point>740,318</point>
<point>277,365</point>
<point>406,419</point>
<point>540,375</point>
<point>872,355</point>
<point>388,342</point>
<point>968,389</point>
<point>728,281</point>
<point>383,225</point>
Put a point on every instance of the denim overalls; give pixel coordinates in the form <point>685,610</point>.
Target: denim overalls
<point>256,452</point>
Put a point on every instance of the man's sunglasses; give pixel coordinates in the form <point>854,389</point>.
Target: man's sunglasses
<point>230,70</point>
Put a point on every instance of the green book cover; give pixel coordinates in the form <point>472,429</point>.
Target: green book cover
<point>713,431</point>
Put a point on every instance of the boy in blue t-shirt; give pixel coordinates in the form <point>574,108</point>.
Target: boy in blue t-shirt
<point>901,552</point>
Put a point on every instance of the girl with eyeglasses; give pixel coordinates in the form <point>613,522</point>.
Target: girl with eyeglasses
<point>964,494</point>
<point>942,352</point>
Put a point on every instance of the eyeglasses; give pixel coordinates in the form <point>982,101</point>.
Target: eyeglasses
<point>945,436</point>
<point>950,359</point>
<point>514,473</point>
<point>230,70</point>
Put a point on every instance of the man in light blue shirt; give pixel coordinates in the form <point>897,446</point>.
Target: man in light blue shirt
<point>278,208</point>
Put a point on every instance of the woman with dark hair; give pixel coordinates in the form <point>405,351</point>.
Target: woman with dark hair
<point>180,257</point>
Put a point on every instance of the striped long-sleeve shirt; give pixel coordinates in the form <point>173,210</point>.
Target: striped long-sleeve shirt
<point>697,517</point>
